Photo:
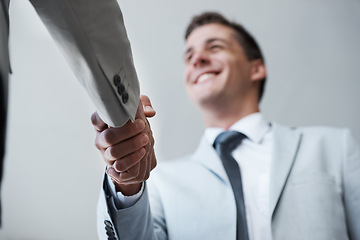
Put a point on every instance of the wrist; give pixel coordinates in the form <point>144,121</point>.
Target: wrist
<point>128,189</point>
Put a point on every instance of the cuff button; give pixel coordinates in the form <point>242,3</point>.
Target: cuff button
<point>125,97</point>
<point>121,89</point>
<point>117,80</point>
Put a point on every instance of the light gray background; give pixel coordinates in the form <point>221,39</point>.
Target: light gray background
<point>53,171</point>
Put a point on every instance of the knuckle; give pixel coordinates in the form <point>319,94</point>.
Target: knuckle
<point>97,144</point>
<point>93,119</point>
<point>120,165</point>
<point>97,141</point>
<point>110,153</point>
<point>108,136</point>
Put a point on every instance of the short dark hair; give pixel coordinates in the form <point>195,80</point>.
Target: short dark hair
<point>246,40</point>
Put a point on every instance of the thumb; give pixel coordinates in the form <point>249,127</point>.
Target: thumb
<point>148,109</point>
<point>98,123</point>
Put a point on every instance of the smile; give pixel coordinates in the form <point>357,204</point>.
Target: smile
<point>205,76</point>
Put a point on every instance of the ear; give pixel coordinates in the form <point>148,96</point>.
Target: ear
<point>258,70</point>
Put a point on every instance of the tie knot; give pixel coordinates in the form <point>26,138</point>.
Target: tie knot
<point>229,140</point>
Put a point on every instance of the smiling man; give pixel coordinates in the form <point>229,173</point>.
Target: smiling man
<point>220,76</point>
<point>248,178</point>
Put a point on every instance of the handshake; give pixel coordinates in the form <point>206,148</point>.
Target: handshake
<point>128,151</point>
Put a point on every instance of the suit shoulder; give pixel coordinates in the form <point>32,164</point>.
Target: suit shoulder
<point>323,130</point>
<point>316,133</point>
<point>317,130</point>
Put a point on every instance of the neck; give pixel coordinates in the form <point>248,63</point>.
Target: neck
<point>225,116</point>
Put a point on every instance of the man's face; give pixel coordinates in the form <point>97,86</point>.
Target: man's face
<point>216,68</point>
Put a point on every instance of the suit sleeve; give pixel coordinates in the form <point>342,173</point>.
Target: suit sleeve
<point>352,185</point>
<point>93,39</point>
<point>135,222</point>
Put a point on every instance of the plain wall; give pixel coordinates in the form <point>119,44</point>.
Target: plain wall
<point>53,171</point>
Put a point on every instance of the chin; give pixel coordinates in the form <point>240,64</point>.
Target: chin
<point>206,101</point>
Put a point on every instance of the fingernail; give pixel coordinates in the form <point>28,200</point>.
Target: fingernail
<point>141,152</point>
<point>144,139</point>
<point>148,109</point>
<point>110,171</point>
<point>140,125</point>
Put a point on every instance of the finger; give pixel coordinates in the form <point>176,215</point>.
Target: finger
<point>129,161</point>
<point>144,170</point>
<point>140,172</point>
<point>147,107</point>
<point>113,175</point>
<point>98,123</point>
<point>131,175</point>
<point>113,136</point>
<point>127,147</point>
<point>121,178</point>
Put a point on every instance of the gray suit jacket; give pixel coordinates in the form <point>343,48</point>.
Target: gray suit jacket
<point>314,193</point>
<point>92,36</point>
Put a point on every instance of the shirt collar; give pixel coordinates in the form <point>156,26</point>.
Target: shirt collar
<point>254,126</point>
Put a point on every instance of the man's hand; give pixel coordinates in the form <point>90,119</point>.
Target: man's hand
<point>128,150</point>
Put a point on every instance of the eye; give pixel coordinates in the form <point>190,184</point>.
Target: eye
<point>215,47</point>
<point>188,58</point>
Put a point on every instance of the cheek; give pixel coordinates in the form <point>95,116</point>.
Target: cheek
<point>186,75</point>
<point>237,70</point>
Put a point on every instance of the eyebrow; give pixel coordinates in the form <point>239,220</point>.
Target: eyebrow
<point>207,42</point>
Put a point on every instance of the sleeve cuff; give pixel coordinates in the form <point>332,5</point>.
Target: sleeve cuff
<point>122,201</point>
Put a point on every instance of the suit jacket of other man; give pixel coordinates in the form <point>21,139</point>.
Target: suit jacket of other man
<point>314,193</point>
<point>92,36</point>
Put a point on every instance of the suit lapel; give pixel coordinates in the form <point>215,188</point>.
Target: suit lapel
<point>207,156</point>
<point>286,144</point>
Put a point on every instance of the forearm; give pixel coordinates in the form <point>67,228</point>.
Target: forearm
<point>92,37</point>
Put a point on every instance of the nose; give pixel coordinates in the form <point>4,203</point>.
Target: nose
<point>200,59</point>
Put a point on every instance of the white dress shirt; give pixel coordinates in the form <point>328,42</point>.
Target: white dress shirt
<point>253,156</point>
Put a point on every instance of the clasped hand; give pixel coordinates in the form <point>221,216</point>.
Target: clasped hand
<point>128,151</point>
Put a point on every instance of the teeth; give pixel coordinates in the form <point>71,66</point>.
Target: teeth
<point>205,76</point>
